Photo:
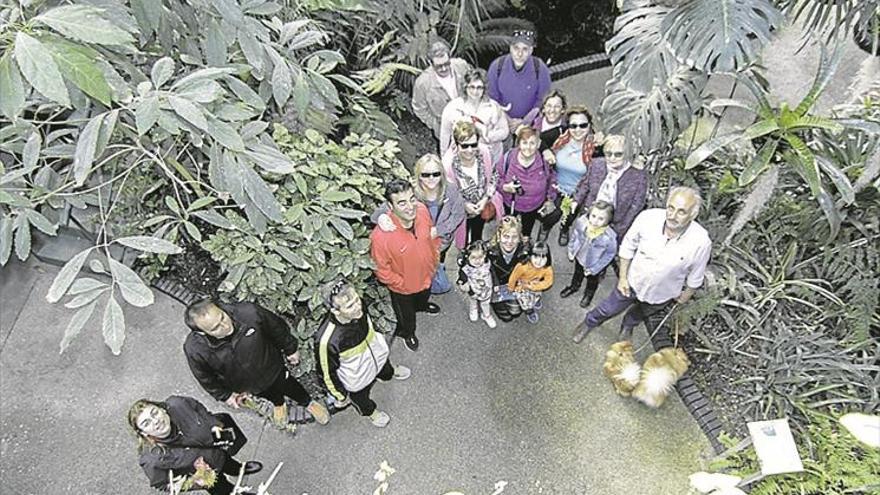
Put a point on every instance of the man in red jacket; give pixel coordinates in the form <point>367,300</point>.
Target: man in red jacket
<point>406,258</point>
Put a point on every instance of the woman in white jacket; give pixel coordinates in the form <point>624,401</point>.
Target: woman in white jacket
<point>476,107</point>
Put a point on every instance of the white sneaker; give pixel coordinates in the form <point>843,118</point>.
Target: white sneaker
<point>490,320</point>
<point>380,419</point>
<point>474,313</point>
<point>401,372</point>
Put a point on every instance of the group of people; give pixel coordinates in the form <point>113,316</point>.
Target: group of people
<point>512,154</point>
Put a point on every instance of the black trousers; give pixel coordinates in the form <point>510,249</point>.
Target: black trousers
<point>361,399</point>
<point>506,310</point>
<point>405,307</point>
<point>592,280</point>
<point>528,220</point>
<point>553,218</point>
<point>286,386</point>
<point>474,228</point>
<point>223,486</point>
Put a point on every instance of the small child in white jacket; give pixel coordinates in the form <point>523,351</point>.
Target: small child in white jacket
<point>475,279</point>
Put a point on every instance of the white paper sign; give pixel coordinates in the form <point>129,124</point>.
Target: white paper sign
<point>775,447</point>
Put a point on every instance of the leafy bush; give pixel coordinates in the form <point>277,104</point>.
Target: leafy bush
<point>323,235</point>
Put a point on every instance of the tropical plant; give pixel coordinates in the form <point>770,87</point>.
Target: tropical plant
<point>835,463</point>
<point>94,95</point>
<point>323,236</point>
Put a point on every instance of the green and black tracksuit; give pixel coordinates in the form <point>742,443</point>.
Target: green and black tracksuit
<point>350,356</point>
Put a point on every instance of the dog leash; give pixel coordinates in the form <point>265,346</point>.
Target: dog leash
<point>657,329</point>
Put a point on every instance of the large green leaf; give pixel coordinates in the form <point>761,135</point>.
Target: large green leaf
<point>270,158</point>
<point>84,23</point>
<point>11,87</point>
<point>258,191</point>
<point>282,82</point>
<point>86,146</point>
<point>805,163</point>
<point>22,237</point>
<point>654,118</point>
<point>709,148</point>
<point>133,289</point>
<point>149,244</point>
<point>224,134</point>
<point>6,238</point>
<point>759,162</point>
<point>839,178</point>
<point>720,35</point>
<point>76,324</point>
<point>113,326</point>
<point>39,68</point>
<point>146,114</point>
<point>637,50</point>
<point>31,152</point>
<point>77,64</point>
<point>827,67</point>
<point>39,221</point>
<point>189,111</point>
<point>65,277</point>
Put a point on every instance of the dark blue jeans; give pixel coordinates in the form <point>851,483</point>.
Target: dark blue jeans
<point>617,303</point>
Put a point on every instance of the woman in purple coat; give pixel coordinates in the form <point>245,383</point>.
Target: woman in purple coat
<point>526,182</point>
<point>617,182</point>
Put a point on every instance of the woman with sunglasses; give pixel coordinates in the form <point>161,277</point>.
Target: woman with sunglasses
<point>475,106</point>
<point>444,202</point>
<point>468,166</point>
<point>180,436</point>
<point>616,181</point>
<point>574,152</point>
<point>527,184</point>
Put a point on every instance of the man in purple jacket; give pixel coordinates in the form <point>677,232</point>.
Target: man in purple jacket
<point>518,81</point>
<point>617,182</point>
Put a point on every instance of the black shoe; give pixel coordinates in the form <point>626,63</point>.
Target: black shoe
<point>571,289</point>
<point>563,237</point>
<point>251,467</point>
<point>412,343</point>
<point>587,299</point>
<point>432,309</point>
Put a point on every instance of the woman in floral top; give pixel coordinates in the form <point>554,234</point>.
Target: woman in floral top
<point>468,166</point>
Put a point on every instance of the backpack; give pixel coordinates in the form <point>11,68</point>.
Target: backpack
<point>507,57</point>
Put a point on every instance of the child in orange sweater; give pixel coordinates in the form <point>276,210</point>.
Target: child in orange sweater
<point>530,278</point>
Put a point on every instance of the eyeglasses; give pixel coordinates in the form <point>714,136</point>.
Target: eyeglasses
<point>579,126</point>
<point>444,65</point>
<point>428,175</point>
<point>615,154</point>
<point>465,146</point>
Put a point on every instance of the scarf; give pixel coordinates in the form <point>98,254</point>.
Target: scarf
<point>587,148</point>
<point>594,232</point>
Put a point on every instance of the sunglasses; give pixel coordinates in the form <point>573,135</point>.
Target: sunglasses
<point>428,175</point>
<point>579,126</point>
<point>466,146</point>
<point>615,154</point>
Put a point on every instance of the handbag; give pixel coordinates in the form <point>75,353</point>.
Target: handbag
<point>440,283</point>
<point>233,438</point>
<point>488,212</point>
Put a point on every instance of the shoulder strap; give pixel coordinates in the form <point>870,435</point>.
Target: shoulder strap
<point>500,66</point>
<point>535,66</point>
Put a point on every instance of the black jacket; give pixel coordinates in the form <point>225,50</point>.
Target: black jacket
<point>502,269</point>
<point>190,438</point>
<point>249,360</point>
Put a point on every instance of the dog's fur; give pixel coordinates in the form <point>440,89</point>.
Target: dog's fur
<point>659,374</point>
<point>621,367</point>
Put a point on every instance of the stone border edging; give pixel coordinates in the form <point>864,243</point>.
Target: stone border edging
<point>578,65</point>
<point>693,398</point>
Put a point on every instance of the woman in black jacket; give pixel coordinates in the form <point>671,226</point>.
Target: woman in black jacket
<point>507,248</point>
<point>180,436</point>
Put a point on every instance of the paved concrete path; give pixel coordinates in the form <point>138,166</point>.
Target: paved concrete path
<point>520,404</point>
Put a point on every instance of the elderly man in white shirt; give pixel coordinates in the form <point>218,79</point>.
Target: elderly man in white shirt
<point>663,257</point>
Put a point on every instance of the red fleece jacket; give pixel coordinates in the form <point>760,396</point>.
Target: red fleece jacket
<point>406,261</point>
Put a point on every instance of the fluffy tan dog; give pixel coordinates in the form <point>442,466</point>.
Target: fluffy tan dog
<point>621,367</point>
<point>659,374</point>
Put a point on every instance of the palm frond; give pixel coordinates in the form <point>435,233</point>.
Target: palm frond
<point>638,51</point>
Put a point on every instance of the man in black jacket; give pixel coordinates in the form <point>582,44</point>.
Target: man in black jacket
<point>239,349</point>
<point>350,355</point>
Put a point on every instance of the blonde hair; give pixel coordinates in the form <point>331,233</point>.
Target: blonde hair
<point>145,442</point>
<point>507,224</point>
<point>464,129</point>
<point>420,165</point>
<point>614,139</point>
